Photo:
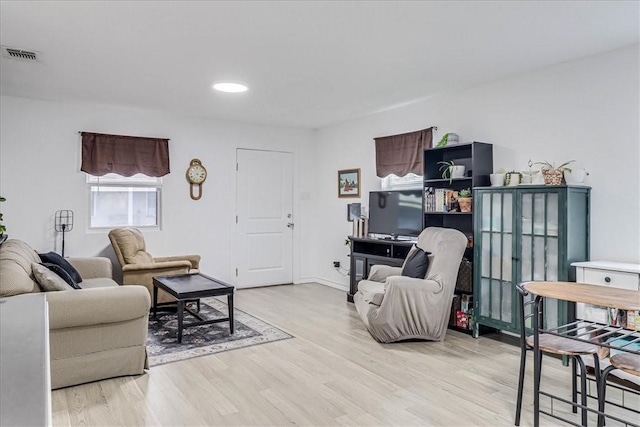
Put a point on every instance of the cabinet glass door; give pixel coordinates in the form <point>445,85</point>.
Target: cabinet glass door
<point>539,251</point>
<point>359,264</point>
<point>496,289</point>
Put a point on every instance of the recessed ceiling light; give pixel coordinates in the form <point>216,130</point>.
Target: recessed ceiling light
<point>230,87</point>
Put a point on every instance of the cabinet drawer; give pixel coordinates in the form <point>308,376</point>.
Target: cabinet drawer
<point>615,279</point>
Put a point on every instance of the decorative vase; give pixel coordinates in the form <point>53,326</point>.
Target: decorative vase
<point>465,203</point>
<point>530,177</point>
<point>452,139</point>
<point>552,176</point>
<point>497,179</point>
<point>457,171</point>
<point>575,176</point>
<point>512,179</point>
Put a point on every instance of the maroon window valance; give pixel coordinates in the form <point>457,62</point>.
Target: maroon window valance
<point>124,155</point>
<point>402,154</point>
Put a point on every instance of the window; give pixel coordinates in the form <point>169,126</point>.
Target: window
<point>394,182</point>
<point>117,201</point>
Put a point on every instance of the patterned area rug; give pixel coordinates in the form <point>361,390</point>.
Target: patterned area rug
<point>162,342</point>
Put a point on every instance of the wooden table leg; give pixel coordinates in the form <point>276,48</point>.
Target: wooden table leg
<point>230,307</point>
<point>180,319</point>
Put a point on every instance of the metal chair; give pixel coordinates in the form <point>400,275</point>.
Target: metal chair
<point>626,362</point>
<point>553,344</point>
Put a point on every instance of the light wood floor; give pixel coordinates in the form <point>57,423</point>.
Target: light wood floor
<point>331,374</point>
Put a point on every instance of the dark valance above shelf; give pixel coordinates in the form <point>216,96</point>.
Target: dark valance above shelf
<point>402,154</point>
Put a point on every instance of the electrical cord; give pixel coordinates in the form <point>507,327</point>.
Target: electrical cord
<point>342,270</point>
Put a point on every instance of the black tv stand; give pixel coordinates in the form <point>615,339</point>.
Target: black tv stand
<point>397,238</point>
<point>367,252</point>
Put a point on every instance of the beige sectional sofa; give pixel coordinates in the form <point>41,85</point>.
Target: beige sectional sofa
<point>97,332</point>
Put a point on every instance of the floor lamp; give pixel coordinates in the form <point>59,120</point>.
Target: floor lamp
<point>64,223</point>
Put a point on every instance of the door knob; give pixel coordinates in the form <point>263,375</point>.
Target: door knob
<point>290,225</point>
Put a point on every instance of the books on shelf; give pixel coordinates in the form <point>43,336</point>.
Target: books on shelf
<point>440,200</point>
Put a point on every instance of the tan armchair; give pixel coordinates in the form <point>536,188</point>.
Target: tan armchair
<point>139,267</point>
<point>396,308</point>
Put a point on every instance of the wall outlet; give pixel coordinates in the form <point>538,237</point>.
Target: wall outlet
<point>336,264</point>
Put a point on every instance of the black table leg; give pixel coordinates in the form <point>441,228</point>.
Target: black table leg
<point>155,301</point>
<point>230,307</point>
<point>198,305</point>
<point>537,360</point>
<point>180,319</point>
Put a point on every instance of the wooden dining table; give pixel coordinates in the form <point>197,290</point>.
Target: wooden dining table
<point>582,330</point>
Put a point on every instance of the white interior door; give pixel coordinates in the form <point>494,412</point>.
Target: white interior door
<point>265,223</point>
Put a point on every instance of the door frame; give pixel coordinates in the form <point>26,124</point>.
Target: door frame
<point>234,235</point>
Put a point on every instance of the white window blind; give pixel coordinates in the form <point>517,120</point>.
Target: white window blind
<point>117,201</point>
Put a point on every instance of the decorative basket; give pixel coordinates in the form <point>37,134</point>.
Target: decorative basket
<point>553,177</point>
<point>465,276</point>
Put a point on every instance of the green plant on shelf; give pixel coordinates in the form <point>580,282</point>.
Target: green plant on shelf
<point>446,168</point>
<point>465,193</point>
<point>552,166</point>
<point>443,140</point>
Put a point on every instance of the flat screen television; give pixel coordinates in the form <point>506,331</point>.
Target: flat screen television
<point>395,213</point>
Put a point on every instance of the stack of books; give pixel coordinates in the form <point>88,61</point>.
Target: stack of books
<point>440,200</point>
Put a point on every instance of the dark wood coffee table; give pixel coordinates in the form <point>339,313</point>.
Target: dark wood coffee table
<point>192,287</point>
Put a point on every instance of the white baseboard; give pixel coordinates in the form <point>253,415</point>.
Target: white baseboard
<point>325,282</point>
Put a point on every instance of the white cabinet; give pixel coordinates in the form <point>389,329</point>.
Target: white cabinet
<point>25,374</point>
<point>612,274</point>
<point>605,273</point>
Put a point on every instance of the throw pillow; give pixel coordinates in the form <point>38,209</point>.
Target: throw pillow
<point>416,264</point>
<point>62,274</point>
<point>54,258</point>
<point>47,279</point>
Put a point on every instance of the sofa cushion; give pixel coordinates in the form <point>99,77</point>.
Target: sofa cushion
<point>16,276</point>
<point>54,258</point>
<point>99,282</point>
<point>62,273</point>
<point>47,279</point>
<point>416,264</point>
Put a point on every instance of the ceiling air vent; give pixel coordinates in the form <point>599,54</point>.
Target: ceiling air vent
<point>23,55</point>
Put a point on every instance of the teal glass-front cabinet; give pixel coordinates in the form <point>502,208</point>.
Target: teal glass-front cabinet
<point>523,233</point>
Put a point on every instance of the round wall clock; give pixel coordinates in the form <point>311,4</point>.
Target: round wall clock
<point>196,175</point>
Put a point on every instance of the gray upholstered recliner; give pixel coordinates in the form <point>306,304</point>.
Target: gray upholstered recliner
<point>396,308</point>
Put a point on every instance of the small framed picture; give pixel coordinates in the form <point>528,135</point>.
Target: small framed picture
<point>353,211</point>
<point>349,183</point>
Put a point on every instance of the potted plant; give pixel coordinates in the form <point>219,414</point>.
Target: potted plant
<point>450,170</point>
<point>575,176</point>
<point>512,178</point>
<point>465,200</point>
<point>449,137</point>
<point>497,178</point>
<point>553,175</point>
<point>2,227</point>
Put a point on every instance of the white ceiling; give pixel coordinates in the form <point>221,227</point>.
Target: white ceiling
<point>308,64</point>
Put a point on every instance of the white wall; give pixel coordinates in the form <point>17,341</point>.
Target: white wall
<point>40,173</point>
<point>586,110</point>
